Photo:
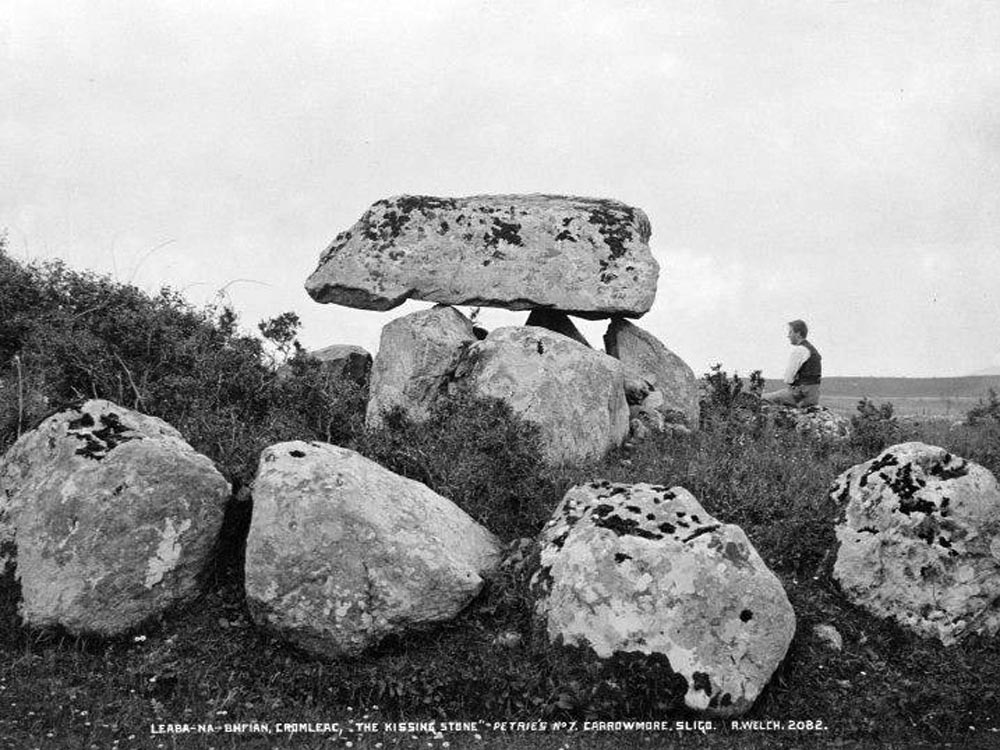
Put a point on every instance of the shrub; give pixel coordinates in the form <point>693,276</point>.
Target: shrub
<point>479,455</point>
<point>874,427</point>
<point>984,412</point>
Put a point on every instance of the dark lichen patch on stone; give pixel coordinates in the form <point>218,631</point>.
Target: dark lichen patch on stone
<point>667,528</point>
<point>621,557</point>
<point>98,443</point>
<point>614,223</point>
<point>565,236</point>
<point>746,615</point>
<point>700,532</point>
<point>624,527</point>
<point>884,461</point>
<point>916,505</point>
<point>297,454</point>
<point>906,484</point>
<point>949,470</point>
<point>503,231</point>
<point>701,681</point>
<point>84,421</point>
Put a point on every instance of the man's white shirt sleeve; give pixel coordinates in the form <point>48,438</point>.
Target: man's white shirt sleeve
<point>798,358</point>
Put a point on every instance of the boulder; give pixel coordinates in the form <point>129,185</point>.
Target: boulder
<point>641,569</point>
<point>111,517</point>
<point>342,552</point>
<point>920,541</point>
<point>573,393</point>
<point>345,361</point>
<point>644,354</point>
<point>584,256</point>
<point>556,321</point>
<point>416,360</point>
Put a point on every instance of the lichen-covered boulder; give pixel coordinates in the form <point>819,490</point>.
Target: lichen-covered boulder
<point>644,354</point>
<point>583,256</point>
<point>110,517</point>
<point>416,360</point>
<point>342,552</point>
<point>573,393</point>
<point>920,541</point>
<point>640,569</point>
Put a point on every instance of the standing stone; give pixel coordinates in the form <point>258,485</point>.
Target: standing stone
<point>574,394</point>
<point>111,518</point>
<point>628,569</point>
<point>416,360</point>
<point>643,353</point>
<point>920,541</point>
<point>556,321</point>
<point>343,552</point>
<point>584,256</point>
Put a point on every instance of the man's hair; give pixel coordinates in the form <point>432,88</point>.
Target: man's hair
<point>800,327</point>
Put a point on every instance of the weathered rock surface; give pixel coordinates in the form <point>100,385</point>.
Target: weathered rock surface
<point>920,541</point>
<point>111,517</point>
<point>573,393</point>
<point>346,361</point>
<point>644,354</point>
<point>584,256</point>
<point>641,569</point>
<point>416,360</point>
<point>343,552</point>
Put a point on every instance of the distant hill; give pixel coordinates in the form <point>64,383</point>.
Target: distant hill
<point>942,397</point>
<point>988,371</point>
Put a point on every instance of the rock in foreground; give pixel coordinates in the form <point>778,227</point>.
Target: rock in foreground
<point>641,569</point>
<point>920,541</point>
<point>343,552</point>
<point>583,256</point>
<point>111,516</point>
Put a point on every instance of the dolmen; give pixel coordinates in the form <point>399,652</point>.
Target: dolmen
<point>555,256</point>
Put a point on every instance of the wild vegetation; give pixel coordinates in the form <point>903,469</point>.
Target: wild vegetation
<point>66,336</point>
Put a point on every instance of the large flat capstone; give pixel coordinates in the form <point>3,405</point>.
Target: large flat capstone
<point>584,256</point>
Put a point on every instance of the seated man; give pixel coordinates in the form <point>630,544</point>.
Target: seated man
<point>805,368</point>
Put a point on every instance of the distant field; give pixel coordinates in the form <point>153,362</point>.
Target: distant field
<point>924,397</point>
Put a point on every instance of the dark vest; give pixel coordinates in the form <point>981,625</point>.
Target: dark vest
<point>812,369</point>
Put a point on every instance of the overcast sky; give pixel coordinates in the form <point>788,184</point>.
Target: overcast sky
<point>832,161</point>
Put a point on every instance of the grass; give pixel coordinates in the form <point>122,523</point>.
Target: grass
<point>209,665</point>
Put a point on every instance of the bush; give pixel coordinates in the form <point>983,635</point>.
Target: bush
<point>985,412</point>
<point>874,428</point>
<point>479,455</point>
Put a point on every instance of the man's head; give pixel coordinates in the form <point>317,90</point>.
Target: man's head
<point>797,331</point>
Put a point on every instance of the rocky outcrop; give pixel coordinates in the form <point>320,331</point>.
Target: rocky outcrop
<point>643,354</point>
<point>920,541</point>
<point>574,394</point>
<point>417,358</point>
<point>110,516</point>
<point>583,256</point>
<point>343,552</point>
<point>345,361</point>
<point>641,569</point>
<point>818,422</point>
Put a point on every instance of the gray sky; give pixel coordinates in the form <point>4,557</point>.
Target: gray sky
<point>834,161</point>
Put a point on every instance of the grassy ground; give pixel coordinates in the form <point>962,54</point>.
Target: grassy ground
<point>209,666</point>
